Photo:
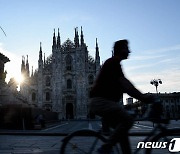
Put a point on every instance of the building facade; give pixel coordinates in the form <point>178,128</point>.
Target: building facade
<point>63,80</point>
<point>170,104</point>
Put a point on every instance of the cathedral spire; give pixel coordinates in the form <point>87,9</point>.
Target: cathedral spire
<point>27,66</point>
<point>32,72</point>
<point>44,59</point>
<point>23,65</point>
<point>40,53</point>
<point>97,49</point>
<point>82,37</point>
<point>40,61</point>
<point>27,63</point>
<point>54,40</point>
<point>97,58</point>
<point>58,40</point>
<point>76,38</point>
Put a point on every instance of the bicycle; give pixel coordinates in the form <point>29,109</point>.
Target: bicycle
<point>157,141</point>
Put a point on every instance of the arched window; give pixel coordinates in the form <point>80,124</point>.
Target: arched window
<point>68,63</point>
<point>33,96</point>
<point>167,108</point>
<point>90,79</point>
<point>48,96</point>
<point>69,84</point>
<point>48,81</point>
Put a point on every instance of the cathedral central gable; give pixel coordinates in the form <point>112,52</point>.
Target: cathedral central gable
<point>67,45</point>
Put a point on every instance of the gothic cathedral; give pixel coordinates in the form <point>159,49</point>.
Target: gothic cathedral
<point>63,80</point>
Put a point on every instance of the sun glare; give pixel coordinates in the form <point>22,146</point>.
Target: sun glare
<point>19,78</point>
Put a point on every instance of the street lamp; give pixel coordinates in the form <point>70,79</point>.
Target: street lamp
<point>156,82</point>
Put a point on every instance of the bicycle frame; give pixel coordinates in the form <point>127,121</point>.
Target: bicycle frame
<point>152,134</point>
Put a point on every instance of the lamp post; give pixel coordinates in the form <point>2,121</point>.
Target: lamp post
<point>156,83</point>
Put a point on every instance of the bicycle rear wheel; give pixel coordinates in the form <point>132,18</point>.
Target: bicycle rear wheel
<point>84,142</point>
<point>162,142</point>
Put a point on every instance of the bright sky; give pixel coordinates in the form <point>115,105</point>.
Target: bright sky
<point>152,28</point>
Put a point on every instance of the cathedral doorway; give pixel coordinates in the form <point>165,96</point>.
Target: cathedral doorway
<point>69,111</point>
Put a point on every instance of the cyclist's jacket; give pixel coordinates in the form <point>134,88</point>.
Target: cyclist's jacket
<point>107,83</point>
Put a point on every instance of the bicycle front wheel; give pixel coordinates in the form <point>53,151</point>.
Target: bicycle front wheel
<point>82,142</point>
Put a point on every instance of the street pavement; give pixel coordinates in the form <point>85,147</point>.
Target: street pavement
<point>24,142</point>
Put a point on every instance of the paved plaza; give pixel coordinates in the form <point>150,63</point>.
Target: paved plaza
<point>20,142</point>
<point>11,144</point>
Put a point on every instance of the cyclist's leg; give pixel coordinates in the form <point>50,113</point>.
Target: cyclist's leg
<point>122,122</point>
<point>117,117</point>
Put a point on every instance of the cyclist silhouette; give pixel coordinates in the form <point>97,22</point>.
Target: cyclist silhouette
<point>106,94</point>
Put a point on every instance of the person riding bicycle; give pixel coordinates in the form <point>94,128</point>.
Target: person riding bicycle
<point>106,93</point>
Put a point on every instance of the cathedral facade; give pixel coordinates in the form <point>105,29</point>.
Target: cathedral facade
<point>63,80</point>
